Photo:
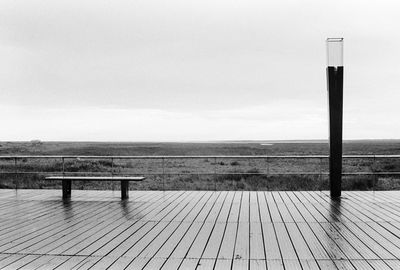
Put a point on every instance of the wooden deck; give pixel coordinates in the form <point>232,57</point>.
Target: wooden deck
<point>199,230</point>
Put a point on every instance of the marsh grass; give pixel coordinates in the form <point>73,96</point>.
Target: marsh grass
<point>198,174</point>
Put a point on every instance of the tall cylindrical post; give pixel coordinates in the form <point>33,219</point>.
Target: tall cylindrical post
<point>334,72</point>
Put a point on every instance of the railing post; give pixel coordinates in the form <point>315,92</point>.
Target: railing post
<point>215,173</point>
<point>15,173</point>
<point>63,166</point>
<point>267,175</point>
<point>163,173</point>
<point>373,168</point>
<point>320,169</point>
<point>112,173</point>
<point>112,166</point>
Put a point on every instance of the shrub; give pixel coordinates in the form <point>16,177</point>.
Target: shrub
<point>240,185</point>
<point>253,170</point>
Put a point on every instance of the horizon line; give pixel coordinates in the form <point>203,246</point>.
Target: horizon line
<point>199,141</point>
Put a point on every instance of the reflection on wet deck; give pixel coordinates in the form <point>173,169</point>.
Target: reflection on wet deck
<point>199,230</point>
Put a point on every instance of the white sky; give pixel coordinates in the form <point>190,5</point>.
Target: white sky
<point>153,70</point>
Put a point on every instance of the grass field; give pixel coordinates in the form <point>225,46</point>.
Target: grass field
<point>198,174</point>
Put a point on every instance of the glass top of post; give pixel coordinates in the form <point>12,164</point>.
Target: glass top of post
<point>334,52</point>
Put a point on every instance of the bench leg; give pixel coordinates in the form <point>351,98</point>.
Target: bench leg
<point>66,188</point>
<point>124,189</point>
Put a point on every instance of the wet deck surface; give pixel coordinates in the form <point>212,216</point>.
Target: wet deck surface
<point>199,230</point>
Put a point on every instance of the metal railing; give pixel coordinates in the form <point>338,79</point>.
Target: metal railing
<point>15,168</point>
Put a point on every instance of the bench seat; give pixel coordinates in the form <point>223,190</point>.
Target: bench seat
<point>66,182</point>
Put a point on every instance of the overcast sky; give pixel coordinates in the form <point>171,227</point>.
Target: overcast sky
<point>155,70</point>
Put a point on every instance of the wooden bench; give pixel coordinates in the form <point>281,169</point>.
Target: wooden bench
<point>66,182</point>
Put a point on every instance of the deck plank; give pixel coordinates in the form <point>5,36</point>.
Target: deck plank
<point>199,230</point>
<point>162,240</point>
<point>362,235</point>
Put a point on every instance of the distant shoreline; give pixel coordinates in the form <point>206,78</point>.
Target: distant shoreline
<point>212,141</point>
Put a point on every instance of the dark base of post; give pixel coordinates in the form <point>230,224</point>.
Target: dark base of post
<point>335,180</point>
<point>335,92</point>
<point>124,190</point>
<point>66,189</point>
